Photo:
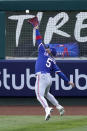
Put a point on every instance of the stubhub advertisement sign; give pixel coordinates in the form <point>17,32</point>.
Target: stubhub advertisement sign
<point>17,78</point>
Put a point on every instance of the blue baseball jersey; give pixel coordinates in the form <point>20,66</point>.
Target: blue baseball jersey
<point>45,63</point>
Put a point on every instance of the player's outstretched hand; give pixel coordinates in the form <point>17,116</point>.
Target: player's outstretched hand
<point>72,84</point>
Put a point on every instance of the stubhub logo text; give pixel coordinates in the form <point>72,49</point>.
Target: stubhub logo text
<point>25,79</point>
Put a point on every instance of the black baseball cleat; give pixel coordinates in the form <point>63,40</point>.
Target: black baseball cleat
<point>33,21</point>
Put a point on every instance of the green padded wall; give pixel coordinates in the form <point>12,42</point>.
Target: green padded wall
<point>2,35</point>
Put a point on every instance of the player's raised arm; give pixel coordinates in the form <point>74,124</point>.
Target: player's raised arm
<point>38,37</point>
<point>35,24</point>
<point>40,44</point>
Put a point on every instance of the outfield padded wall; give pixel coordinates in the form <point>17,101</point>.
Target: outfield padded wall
<point>2,35</point>
<point>21,5</point>
<point>43,5</point>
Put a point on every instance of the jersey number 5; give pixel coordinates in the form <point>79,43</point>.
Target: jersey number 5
<point>48,64</point>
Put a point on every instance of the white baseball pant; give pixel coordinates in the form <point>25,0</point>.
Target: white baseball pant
<point>42,87</point>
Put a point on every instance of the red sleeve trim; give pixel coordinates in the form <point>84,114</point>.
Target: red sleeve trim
<point>38,37</point>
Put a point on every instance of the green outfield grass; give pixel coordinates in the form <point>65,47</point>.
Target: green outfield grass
<point>37,123</point>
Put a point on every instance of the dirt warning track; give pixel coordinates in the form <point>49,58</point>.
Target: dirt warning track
<point>38,110</point>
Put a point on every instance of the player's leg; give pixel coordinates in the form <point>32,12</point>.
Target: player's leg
<point>40,88</point>
<point>50,97</point>
<point>53,100</point>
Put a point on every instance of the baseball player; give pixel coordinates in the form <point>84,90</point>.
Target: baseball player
<point>45,64</point>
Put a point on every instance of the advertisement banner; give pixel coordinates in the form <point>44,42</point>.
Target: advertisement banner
<point>66,50</point>
<point>17,78</point>
<point>55,27</point>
